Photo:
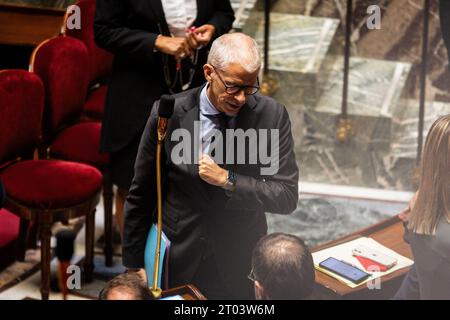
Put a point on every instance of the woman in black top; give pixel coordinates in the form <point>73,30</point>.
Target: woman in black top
<point>428,221</point>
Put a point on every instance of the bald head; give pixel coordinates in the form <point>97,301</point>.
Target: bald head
<point>282,264</point>
<point>235,48</point>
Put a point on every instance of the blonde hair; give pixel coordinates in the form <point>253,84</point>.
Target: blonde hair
<point>433,199</point>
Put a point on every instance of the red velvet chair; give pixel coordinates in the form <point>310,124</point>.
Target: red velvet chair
<point>62,64</point>
<point>100,61</point>
<point>42,191</point>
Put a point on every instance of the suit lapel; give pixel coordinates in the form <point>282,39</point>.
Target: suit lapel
<point>200,11</point>
<point>245,118</point>
<point>192,108</point>
<point>158,11</point>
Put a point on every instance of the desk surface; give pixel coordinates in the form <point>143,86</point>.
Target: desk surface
<point>189,292</point>
<point>29,26</point>
<point>390,234</point>
<point>49,4</point>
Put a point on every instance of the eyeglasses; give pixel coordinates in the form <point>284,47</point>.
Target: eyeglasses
<point>231,90</point>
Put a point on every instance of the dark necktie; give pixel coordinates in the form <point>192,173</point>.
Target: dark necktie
<point>220,120</point>
<point>221,123</point>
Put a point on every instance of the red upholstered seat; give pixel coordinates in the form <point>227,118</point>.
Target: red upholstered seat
<point>9,228</point>
<point>51,184</point>
<point>95,103</point>
<point>62,63</point>
<point>9,236</point>
<point>100,60</point>
<point>21,126</point>
<point>44,191</point>
<point>80,143</point>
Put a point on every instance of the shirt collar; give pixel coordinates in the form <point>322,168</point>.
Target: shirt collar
<point>206,107</point>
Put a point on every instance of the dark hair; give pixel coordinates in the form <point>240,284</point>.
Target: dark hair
<point>283,265</point>
<point>129,281</point>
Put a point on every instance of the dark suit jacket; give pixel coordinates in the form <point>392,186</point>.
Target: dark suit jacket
<point>198,217</point>
<point>432,262</point>
<point>128,29</point>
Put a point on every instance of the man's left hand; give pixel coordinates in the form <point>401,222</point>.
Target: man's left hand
<point>211,173</point>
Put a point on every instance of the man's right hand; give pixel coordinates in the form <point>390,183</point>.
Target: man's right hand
<point>175,46</point>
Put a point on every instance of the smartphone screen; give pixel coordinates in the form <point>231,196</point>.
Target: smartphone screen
<point>344,270</point>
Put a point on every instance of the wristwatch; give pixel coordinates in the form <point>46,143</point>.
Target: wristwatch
<point>231,181</point>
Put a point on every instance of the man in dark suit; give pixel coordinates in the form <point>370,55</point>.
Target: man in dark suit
<point>214,214</point>
<point>147,53</point>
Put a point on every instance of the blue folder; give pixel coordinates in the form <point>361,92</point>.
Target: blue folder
<point>149,257</point>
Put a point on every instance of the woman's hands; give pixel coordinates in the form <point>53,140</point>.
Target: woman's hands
<point>181,47</point>
<point>201,36</point>
<point>175,46</point>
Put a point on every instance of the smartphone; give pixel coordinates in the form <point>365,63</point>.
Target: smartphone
<point>375,256</point>
<point>344,269</point>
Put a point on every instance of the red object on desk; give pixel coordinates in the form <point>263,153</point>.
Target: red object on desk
<point>370,265</point>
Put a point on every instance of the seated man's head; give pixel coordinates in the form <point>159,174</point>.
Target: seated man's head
<point>282,268</point>
<point>232,71</point>
<point>126,286</point>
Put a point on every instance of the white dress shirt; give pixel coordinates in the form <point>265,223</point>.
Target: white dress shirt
<point>180,15</point>
<point>207,126</point>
